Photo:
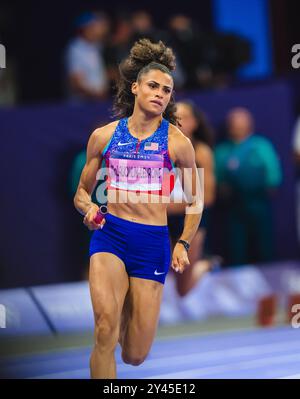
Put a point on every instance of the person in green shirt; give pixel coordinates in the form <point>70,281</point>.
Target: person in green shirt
<point>247,171</point>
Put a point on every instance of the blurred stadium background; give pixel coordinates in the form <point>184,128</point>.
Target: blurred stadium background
<point>239,56</point>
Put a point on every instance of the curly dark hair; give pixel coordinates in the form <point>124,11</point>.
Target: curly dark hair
<point>144,56</point>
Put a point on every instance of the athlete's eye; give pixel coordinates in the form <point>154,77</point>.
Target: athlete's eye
<point>152,85</point>
<point>167,90</point>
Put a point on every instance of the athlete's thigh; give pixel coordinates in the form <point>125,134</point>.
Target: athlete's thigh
<point>143,300</point>
<point>109,283</point>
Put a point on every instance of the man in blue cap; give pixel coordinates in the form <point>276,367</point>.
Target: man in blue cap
<point>86,74</point>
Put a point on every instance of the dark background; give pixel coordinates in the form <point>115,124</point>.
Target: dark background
<point>41,238</point>
<point>35,34</point>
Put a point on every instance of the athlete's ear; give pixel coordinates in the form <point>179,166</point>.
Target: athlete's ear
<point>134,88</point>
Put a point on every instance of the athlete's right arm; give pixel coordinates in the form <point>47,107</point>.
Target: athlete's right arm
<point>87,183</point>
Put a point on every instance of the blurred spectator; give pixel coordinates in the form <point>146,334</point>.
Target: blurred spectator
<point>8,89</point>
<point>118,47</point>
<point>85,69</point>
<point>7,78</point>
<point>208,59</point>
<point>130,28</point>
<point>5,88</point>
<point>85,234</point>
<point>143,27</point>
<point>204,60</point>
<point>230,53</point>
<point>194,125</point>
<point>194,50</point>
<point>296,150</point>
<point>248,171</point>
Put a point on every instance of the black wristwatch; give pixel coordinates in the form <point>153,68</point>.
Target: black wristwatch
<point>185,244</point>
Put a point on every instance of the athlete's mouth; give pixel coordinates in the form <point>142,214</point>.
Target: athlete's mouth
<point>157,102</point>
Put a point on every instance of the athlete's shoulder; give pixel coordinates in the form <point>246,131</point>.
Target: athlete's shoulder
<point>103,132</point>
<point>176,134</point>
<point>177,138</point>
<point>180,145</point>
<point>101,136</point>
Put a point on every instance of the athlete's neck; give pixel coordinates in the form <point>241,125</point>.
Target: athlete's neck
<point>140,125</point>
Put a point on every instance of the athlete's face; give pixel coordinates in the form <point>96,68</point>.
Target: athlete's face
<point>186,119</point>
<point>153,91</point>
<point>240,124</point>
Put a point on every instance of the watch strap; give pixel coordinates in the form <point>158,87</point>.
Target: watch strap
<point>185,244</point>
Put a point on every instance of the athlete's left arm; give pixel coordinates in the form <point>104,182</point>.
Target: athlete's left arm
<point>190,179</point>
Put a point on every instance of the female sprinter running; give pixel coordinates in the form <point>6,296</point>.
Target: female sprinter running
<point>130,250</point>
<point>193,124</point>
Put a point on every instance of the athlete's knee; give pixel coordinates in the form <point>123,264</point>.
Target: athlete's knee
<point>182,287</point>
<point>106,329</point>
<point>182,291</point>
<point>135,359</point>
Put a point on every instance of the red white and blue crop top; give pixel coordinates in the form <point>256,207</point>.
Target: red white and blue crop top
<point>142,166</point>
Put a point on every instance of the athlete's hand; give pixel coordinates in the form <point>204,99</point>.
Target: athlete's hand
<point>90,216</point>
<point>180,258</point>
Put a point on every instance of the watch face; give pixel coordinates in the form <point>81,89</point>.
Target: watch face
<point>185,244</point>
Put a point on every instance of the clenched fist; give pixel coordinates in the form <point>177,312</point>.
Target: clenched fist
<point>180,258</point>
<point>89,219</point>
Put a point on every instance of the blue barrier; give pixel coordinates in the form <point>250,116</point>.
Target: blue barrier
<point>67,306</point>
<point>22,317</point>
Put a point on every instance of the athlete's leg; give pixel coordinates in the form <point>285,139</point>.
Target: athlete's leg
<point>140,319</point>
<point>197,268</point>
<point>237,236</point>
<point>108,287</point>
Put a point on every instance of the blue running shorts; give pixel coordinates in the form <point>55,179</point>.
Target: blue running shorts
<point>144,249</point>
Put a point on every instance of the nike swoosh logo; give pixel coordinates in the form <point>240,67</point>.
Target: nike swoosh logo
<point>123,143</point>
<point>157,274</point>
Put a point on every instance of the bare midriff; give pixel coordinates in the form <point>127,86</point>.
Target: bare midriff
<point>138,208</point>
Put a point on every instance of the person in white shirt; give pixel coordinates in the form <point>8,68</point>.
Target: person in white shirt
<point>86,73</point>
